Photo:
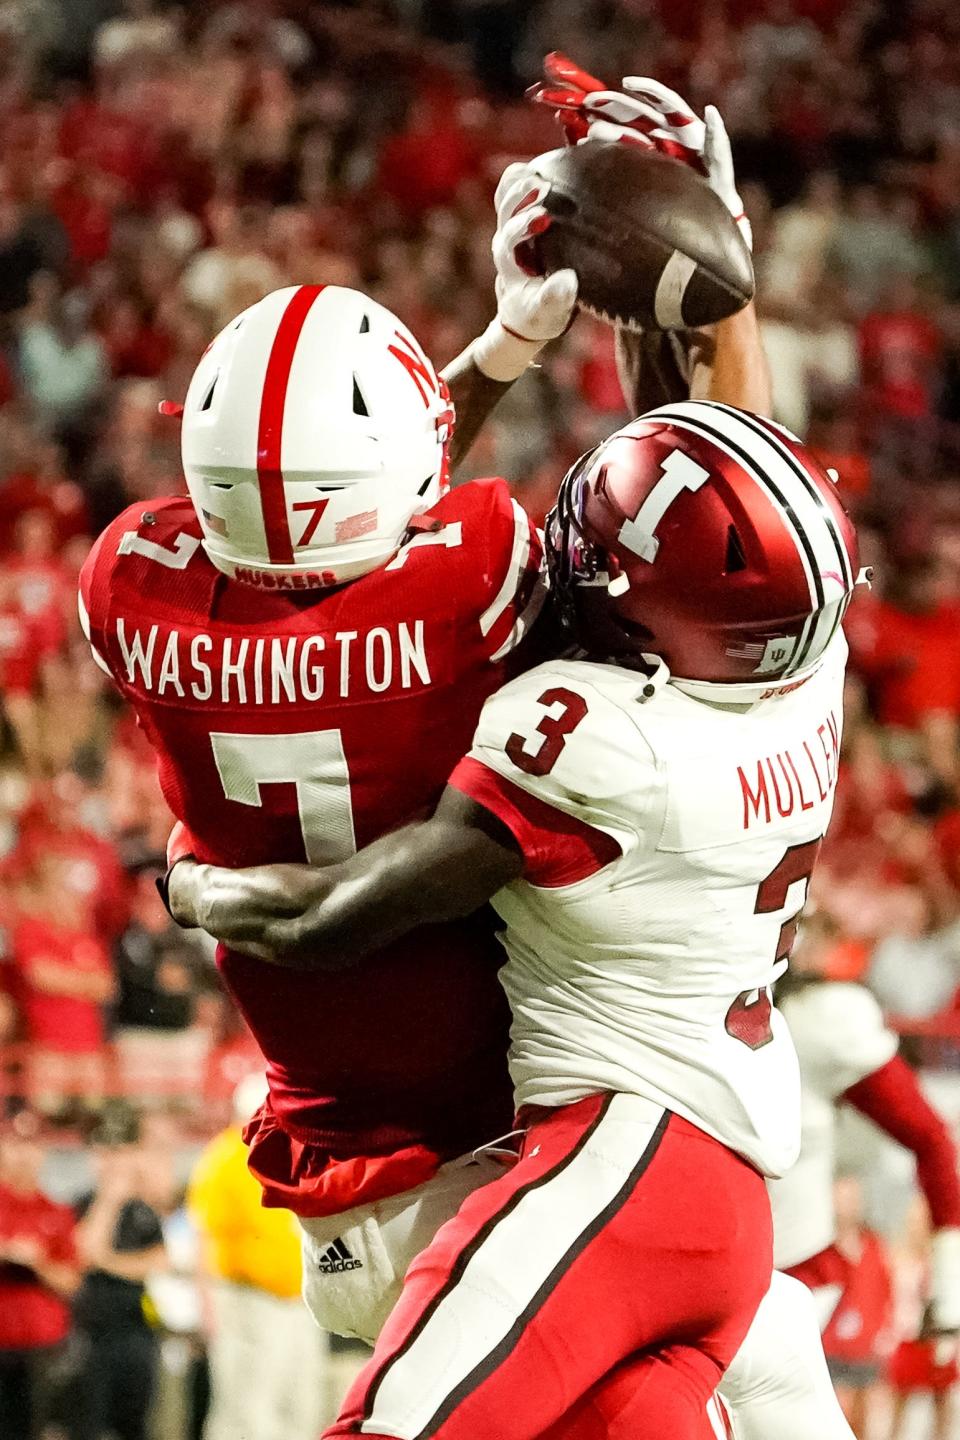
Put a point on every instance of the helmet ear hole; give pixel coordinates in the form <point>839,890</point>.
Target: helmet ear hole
<point>359,404</point>
<point>736,558</point>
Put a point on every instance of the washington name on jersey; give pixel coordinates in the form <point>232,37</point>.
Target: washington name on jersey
<point>247,670</point>
<point>668,846</point>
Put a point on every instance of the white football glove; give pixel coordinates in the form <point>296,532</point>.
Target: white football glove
<point>531,309</point>
<point>945,1281</point>
<point>644,113</point>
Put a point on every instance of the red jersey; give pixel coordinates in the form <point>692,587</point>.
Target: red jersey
<point>31,1314</point>
<point>299,724</point>
<point>65,1023</point>
<point>863,1310</point>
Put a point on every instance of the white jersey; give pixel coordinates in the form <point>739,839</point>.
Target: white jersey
<point>652,974</point>
<point>840,1038</point>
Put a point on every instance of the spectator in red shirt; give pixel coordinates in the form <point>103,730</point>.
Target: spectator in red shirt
<point>40,579</point>
<point>433,130</point>
<point>64,981</point>
<point>42,485</point>
<point>921,1362</point>
<point>906,644</point>
<point>54,826</point>
<point>38,1274</point>
<point>900,347</point>
<point>853,1340</point>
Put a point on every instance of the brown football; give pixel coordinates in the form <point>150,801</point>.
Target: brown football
<point>653,246</point>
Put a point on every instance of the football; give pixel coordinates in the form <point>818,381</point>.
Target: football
<point>653,246</point>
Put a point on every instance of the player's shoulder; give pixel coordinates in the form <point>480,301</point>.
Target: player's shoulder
<point>476,500</point>
<point>479,554</point>
<point>141,555</point>
<point>833,1009</point>
<point>839,1032</point>
<point>159,519</point>
<point>826,682</point>
<point>584,716</point>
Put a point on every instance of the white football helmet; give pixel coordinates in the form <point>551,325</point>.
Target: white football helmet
<point>314,428</point>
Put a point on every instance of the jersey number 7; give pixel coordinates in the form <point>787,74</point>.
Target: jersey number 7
<point>315,763</point>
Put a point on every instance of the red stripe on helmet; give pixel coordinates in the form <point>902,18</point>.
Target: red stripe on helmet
<point>270,431</point>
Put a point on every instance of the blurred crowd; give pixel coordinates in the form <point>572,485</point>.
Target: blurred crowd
<point>154,1296</point>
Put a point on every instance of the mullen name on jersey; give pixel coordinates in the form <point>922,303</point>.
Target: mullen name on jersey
<point>230,669</point>
<point>793,779</point>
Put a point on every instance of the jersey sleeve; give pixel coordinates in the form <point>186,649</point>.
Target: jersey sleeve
<point>93,597</point>
<point>512,572</point>
<point>839,1032</point>
<point>568,773</point>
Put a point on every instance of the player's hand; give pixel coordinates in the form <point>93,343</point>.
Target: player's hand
<point>534,307</point>
<point>244,908</point>
<point>22,1250</point>
<point>183,894</point>
<point>531,308</point>
<point>646,113</point>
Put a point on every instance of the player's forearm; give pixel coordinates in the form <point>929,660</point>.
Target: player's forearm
<point>475,397</point>
<point>240,904</point>
<point>892,1098</point>
<point>733,368</point>
<point>442,869</point>
<point>136,1266</point>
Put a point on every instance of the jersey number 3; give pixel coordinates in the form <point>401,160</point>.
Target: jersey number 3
<point>748,1019</point>
<point>571,708</point>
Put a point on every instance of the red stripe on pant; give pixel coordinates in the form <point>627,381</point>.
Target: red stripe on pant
<point>270,429</point>
<point>631,1328</point>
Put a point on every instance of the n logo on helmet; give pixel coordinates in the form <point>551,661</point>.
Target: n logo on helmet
<point>416,366</point>
<point>678,472</point>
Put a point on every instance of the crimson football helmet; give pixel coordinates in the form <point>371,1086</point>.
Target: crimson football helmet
<point>707,537</point>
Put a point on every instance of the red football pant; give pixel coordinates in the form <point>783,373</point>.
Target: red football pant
<point>600,1287</point>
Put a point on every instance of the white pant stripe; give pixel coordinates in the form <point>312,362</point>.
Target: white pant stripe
<point>507,1270</point>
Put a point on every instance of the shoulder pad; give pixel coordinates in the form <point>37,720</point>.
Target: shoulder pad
<point>560,734</point>
<point>142,557</point>
<point>839,1032</point>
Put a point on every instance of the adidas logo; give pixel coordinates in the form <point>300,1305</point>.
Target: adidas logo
<point>337,1258</point>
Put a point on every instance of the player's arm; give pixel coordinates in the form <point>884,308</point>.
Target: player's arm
<point>892,1098</point>
<point>319,919</point>
<point>513,808</point>
<point>531,310</point>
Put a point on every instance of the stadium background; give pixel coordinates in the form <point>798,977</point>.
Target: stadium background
<point>162,167</point>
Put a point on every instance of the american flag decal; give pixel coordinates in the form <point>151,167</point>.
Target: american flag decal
<point>356,525</point>
<point>216,523</point>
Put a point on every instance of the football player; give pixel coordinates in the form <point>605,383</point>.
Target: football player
<point>317,597</point>
<point>314,601</point>
<point>737,372</point>
<point>848,1055</point>
<point>645,818</point>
